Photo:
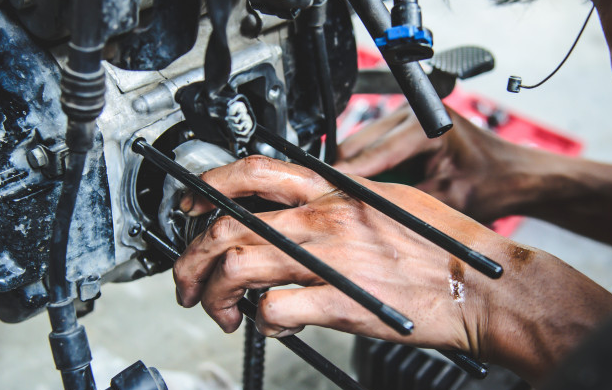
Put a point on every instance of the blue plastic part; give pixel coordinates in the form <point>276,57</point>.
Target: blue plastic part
<point>404,33</point>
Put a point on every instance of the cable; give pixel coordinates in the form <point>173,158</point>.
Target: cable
<point>514,82</point>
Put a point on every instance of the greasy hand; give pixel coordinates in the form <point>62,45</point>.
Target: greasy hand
<point>400,268</point>
<point>467,168</point>
<point>527,320</point>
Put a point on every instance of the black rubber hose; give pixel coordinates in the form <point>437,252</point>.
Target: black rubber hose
<point>60,290</point>
<point>317,16</point>
<point>218,59</point>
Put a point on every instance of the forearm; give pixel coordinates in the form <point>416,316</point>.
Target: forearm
<point>573,193</point>
<point>499,178</point>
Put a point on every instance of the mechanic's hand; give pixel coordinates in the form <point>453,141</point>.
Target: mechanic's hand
<point>516,320</point>
<point>467,168</point>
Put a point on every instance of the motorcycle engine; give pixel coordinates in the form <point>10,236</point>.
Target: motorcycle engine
<point>157,48</point>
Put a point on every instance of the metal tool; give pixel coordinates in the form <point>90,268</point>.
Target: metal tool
<point>391,317</point>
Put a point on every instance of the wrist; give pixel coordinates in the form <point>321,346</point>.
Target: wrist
<point>537,312</point>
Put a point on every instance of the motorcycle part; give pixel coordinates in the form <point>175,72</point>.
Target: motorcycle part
<point>254,351</point>
<point>515,82</point>
<point>285,9</point>
<point>317,16</point>
<point>462,62</point>
<point>447,66</point>
<point>138,377</point>
<point>406,40</point>
<point>415,85</point>
<point>382,365</point>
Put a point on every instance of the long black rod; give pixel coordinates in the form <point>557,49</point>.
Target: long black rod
<point>467,363</point>
<point>294,343</point>
<point>348,185</point>
<point>473,367</point>
<point>386,313</point>
<point>417,88</point>
<point>309,355</point>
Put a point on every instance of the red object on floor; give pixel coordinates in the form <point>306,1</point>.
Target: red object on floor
<point>514,127</point>
<point>483,112</point>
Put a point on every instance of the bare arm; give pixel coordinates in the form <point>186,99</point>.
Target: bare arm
<point>527,320</point>
<point>486,177</point>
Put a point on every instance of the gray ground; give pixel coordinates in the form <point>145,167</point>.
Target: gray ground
<point>142,321</point>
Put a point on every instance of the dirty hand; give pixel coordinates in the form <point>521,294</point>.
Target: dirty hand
<point>452,305</point>
<point>467,168</point>
<point>485,177</point>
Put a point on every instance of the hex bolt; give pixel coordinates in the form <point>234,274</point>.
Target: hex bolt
<point>274,92</point>
<point>135,230</point>
<point>38,158</point>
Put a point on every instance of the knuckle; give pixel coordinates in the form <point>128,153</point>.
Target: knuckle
<point>256,165</point>
<point>220,228</point>
<point>231,265</point>
<point>181,277</point>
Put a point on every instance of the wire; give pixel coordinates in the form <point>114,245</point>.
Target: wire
<point>566,56</point>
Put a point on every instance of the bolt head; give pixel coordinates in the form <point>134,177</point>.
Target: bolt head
<point>134,230</point>
<point>37,157</point>
<point>274,92</point>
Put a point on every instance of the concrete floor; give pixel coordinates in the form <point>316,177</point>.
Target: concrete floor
<point>141,320</point>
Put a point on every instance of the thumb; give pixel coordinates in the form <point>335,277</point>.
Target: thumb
<point>368,162</point>
<point>285,312</point>
<point>401,143</point>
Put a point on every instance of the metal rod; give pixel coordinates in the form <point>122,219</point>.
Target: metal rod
<point>348,185</point>
<point>386,313</point>
<point>294,343</point>
<point>417,88</point>
<point>303,350</point>
<point>467,363</point>
<point>473,367</point>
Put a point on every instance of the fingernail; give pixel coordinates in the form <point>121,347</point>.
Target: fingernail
<point>187,203</point>
<point>283,333</point>
<point>179,300</point>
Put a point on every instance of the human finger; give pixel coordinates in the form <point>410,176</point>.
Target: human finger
<point>372,132</point>
<point>285,312</point>
<point>265,177</point>
<point>248,267</point>
<point>194,266</point>
<point>401,143</point>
